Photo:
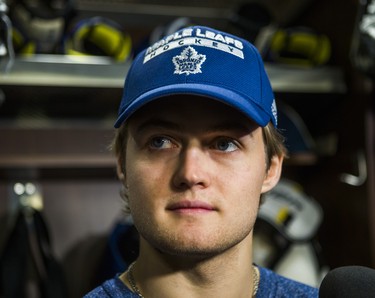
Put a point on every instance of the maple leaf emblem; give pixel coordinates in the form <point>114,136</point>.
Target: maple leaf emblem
<point>188,62</point>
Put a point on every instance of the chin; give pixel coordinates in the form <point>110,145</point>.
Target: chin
<point>192,253</point>
<point>198,250</point>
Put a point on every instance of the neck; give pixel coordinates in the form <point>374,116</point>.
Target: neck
<point>229,274</point>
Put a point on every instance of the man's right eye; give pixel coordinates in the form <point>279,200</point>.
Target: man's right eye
<point>161,143</point>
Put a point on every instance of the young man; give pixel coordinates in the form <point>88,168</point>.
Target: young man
<point>197,146</point>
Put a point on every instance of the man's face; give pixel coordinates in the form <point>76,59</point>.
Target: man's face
<point>195,169</point>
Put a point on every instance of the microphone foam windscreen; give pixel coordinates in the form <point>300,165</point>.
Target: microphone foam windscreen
<point>348,281</point>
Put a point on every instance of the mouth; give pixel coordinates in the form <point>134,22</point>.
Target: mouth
<point>191,207</point>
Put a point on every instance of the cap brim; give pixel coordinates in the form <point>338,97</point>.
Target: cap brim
<point>233,99</point>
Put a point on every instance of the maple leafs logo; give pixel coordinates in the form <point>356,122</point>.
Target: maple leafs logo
<point>188,62</point>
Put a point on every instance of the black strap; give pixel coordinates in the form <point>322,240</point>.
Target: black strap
<point>26,256</point>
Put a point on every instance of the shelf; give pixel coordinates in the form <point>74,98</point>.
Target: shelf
<point>57,147</point>
<point>83,71</point>
<point>285,78</point>
<point>150,13</point>
<point>66,71</point>
<point>155,10</point>
<point>58,161</point>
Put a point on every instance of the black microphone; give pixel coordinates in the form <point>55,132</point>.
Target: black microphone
<point>348,282</point>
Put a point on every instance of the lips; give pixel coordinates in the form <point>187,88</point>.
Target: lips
<point>186,206</point>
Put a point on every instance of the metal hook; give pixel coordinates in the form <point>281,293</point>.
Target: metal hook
<point>362,172</point>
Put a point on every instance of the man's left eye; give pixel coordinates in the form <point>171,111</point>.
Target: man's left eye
<point>226,145</point>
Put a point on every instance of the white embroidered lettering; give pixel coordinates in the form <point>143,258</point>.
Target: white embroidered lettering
<point>199,33</point>
<point>187,32</point>
<point>238,44</point>
<point>196,37</point>
<point>220,37</point>
<point>229,40</point>
<point>210,34</point>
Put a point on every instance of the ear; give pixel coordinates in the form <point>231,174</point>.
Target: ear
<point>121,171</point>
<point>273,174</point>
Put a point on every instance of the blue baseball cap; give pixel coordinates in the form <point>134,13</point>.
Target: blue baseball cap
<point>204,62</point>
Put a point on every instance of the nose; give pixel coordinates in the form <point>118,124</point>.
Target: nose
<point>192,169</point>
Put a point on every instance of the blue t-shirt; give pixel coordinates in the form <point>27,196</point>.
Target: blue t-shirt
<point>271,285</point>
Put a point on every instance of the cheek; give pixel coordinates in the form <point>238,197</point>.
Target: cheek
<point>145,185</point>
<point>248,184</point>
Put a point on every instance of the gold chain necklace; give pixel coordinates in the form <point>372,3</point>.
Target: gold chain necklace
<point>131,280</point>
<point>256,278</point>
